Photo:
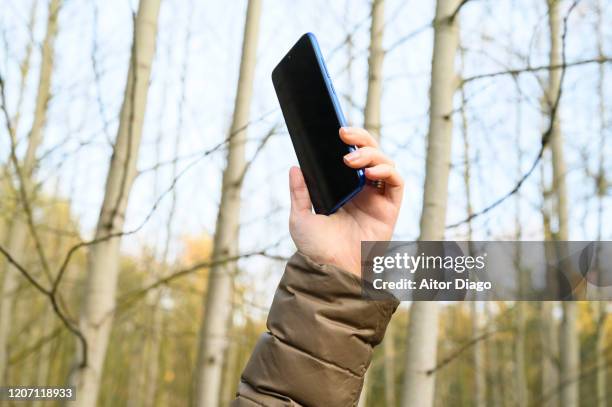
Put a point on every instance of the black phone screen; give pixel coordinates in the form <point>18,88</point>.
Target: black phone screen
<point>313,118</point>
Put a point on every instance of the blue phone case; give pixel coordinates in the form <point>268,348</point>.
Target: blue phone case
<point>338,109</point>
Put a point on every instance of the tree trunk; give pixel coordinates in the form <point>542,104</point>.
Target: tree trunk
<point>389,365</point>
<point>601,349</point>
<point>423,326</point>
<point>231,371</point>
<point>363,398</point>
<point>99,297</point>
<point>493,356</point>
<point>519,356</point>
<point>522,393</point>
<point>480,380</point>
<point>19,227</point>
<point>213,339</point>
<point>600,306</point>
<point>549,333</point>
<point>375,66</point>
<point>372,123</point>
<point>569,350</point>
<point>569,345</point>
<point>152,361</point>
<point>519,348</point>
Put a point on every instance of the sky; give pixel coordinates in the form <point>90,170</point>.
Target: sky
<point>192,92</point>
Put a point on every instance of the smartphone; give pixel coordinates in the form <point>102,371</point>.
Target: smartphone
<point>313,116</point>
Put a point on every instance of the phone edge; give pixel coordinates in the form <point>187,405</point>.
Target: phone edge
<point>336,103</point>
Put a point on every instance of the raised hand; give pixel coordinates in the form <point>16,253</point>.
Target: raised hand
<point>371,215</point>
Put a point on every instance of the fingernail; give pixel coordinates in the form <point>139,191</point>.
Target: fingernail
<point>352,156</point>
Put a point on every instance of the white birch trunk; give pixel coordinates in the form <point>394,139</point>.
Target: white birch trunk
<point>19,228</point>
<point>372,123</point>
<point>229,377</point>
<point>549,338</point>
<point>152,361</point>
<point>519,354</point>
<point>375,66</point>
<point>493,356</point>
<point>480,390</point>
<point>423,326</point>
<point>99,297</point>
<point>480,380</point>
<point>522,393</point>
<point>569,345</point>
<point>363,398</point>
<point>569,349</point>
<point>390,355</point>
<point>600,306</point>
<point>600,353</point>
<point>217,304</point>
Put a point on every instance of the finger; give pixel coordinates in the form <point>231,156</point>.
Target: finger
<point>366,157</point>
<point>300,199</point>
<point>394,184</point>
<point>357,136</point>
<point>385,172</point>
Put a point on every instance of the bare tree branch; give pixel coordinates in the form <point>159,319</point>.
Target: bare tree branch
<point>545,136</point>
<point>36,346</point>
<point>260,147</point>
<point>409,36</point>
<point>602,59</point>
<point>458,9</point>
<point>133,295</point>
<point>21,178</point>
<point>54,302</point>
<point>459,351</point>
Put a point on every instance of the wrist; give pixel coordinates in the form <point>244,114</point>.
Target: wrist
<point>347,264</point>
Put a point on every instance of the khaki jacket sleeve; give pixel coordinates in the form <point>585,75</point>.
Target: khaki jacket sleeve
<point>319,341</point>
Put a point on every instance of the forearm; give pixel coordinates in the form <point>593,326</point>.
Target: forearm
<point>320,340</point>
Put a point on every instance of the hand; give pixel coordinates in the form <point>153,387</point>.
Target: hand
<point>371,215</point>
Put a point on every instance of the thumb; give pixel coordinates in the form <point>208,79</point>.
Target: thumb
<point>300,199</point>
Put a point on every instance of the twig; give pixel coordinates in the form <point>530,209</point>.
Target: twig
<point>459,351</point>
<point>39,344</point>
<point>54,302</point>
<point>98,74</point>
<point>409,36</point>
<point>545,136</point>
<point>458,9</point>
<point>518,71</point>
<point>131,296</point>
<point>260,147</point>
<point>23,185</point>
<point>584,373</point>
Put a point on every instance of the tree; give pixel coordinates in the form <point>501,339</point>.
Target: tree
<point>423,326</point>
<point>569,345</point>
<point>549,335</point>
<point>19,227</point>
<point>372,123</point>
<point>217,303</point>
<point>480,395</point>
<point>371,114</point>
<point>103,270</point>
<point>601,187</point>
<point>520,307</point>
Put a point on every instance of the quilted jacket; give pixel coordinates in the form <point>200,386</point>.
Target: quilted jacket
<point>319,343</point>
